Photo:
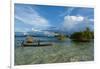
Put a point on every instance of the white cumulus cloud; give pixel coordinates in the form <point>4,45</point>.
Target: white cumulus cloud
<point>75,23</point>
<point>74,18</point>
<point>71,21</point>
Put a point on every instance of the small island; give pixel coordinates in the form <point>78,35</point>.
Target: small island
<point>83,36</point>
<point>60,37</point>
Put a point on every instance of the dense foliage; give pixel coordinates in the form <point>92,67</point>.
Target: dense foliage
<point>86,35</point>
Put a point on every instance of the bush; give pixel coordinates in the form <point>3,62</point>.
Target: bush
<point>86,35</point>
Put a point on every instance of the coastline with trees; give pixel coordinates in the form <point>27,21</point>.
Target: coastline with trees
<point>81,36</point>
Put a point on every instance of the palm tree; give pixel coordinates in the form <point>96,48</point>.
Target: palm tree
<point>83,35</point>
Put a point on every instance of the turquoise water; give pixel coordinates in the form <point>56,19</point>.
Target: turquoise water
<point>59,52</point>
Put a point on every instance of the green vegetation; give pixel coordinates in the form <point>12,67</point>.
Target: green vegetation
<point>60,37</point>
<point>60,52</point>
<point>86,35</point>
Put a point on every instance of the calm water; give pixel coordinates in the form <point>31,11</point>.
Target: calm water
<point>59,52</point>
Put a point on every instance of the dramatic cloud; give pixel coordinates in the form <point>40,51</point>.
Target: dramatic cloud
<point>67,12</point>
<point>52,18</point>
<point>74,19</point>
<point>76,23</point>
<point>71,21</point>
<point>27,15</point>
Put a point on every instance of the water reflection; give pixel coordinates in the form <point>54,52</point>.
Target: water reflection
<point>61,51</point>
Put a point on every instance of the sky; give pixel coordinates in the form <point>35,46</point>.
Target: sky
<point>30,17</point>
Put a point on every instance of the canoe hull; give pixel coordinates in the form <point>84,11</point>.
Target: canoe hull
<point>36,45</point>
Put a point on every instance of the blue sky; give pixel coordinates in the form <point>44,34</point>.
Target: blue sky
<point>29,17</point>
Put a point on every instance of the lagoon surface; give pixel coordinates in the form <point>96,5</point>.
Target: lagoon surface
<point>59,52</point>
